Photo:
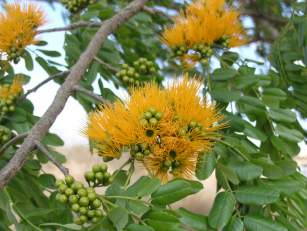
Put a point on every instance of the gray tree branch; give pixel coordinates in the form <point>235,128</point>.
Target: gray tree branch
<point>42,126</point>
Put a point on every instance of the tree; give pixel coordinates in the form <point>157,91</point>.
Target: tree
<point>255,133</point>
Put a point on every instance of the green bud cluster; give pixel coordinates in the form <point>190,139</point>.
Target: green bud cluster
<point>151,117</point>
<point>180,50</point>
<point>224,42</point>
<point>204,53</point>
<point>134,75</point>
<point>14,54</point>
<point>144,66</point>
<point>170,165</point>
<point>7,105</point>
<point>5,134</point>
<point>82,200</point>
<point>193,126</point>
<point>75,6</point>
<point>139,151</point>
<point>98,176</point>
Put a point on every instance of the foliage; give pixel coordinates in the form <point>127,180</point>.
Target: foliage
<point>260,186</point>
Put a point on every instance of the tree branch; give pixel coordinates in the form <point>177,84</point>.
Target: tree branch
<point>12,141</point>
<point>110,67</point>
<point>45,122</point>
<point>91,94</point>
<point>70,27</point>
<point>45,151</point>
<point>34,89</point>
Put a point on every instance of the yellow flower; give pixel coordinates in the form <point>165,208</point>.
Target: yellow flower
<point>205,22</point>
<point>18,26</point>
<point>165,129</point>
<point>175,159</point>
<point>11,91</point>
<point>198,120</point>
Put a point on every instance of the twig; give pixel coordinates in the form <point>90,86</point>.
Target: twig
<point>12,141</point>
<point>110,67</point>
<point>91,94</point>
<point>34,89</point>
<point>70,27</point>
<point>42,126</point>
<point>45,151</point>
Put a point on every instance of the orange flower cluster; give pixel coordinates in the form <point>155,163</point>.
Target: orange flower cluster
<point>203,24</point>
<point>164,129</point>
<point>18,24</point>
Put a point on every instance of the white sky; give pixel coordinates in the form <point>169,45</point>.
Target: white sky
<point>70,122</point>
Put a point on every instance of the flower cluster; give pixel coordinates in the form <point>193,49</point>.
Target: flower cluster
<point>75,6</point>
<point>18,25</point>
<point>204,24</point>
<point>164,129</point>
<point>8,95</point>
<point>135,75</point>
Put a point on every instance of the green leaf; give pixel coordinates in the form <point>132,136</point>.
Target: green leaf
<point>284,146</point>
<point>205,165</point>
<point>225,173</point>
<point>225,95</point>
<point>195,221</point>
<point>119,217</point>
<point>50,53</point>
<point>246,171</point>
<point>144,186</point>
<point>222,210</point>
<point>254,223</point>
<point>53,139</point>
<point>289,134</point>
<point>235,224</point>
<point>256,195</point>
<point>175,190</point>
<point>229,58</point>
<point>46,180</point>
<point>254,132</point>
<point>282,115</point>
<point>287,186</point>
<point>223,74</point>
<point>136,227</point>
<point>67,226</point>
<point>28,60</point>
<point>137,207</point>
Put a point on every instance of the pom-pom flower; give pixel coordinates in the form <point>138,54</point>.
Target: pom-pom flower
<point>202,25</point>
<point>18,25</point>
<point>165,129</point>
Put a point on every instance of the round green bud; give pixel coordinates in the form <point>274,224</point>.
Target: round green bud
<point>147,115</point>
<point>78,221</point>
<point>153,121</point>
<point>91,196</point>
<point>158,115</point>
<point>89,176</point>
<point>153,111</point>
<point>106,177</point>
<point>11,108</point>
<point>126,79</point>
<point>146,152</point>
<point>83,219</point>
<point>83,210</point>
<point>152,70</point>
<point>103,167</point>
<point>139,156</point>
<point>99,176</point>
<point>125,65</point>
<point>73,199</point>
<point>69,192</point>
<point>62,188</point>
<point>144,122</point>
<point>75,207</point>
<point>62,198</point>
<point>193,124</point>
<point>96,168</point>
<point>98,213</point>
<point>95,220</point>
<point>91,213</point>
<point>59,182</point>
<point>76,186</point>
<point>84,201</point>
<point>82,192</point>
<point>90,190</point>
<point>96,203</point>
<point>69,180</point>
